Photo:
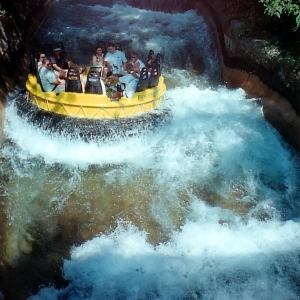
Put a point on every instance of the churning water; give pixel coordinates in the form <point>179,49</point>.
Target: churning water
<point>205,207</point>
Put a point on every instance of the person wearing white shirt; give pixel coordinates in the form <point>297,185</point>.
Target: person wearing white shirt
<point>115,59</point>
<point>134,67</point>
<point>98,58</point>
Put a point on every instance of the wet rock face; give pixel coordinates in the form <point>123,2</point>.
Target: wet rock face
<point>10,41</point>
<point>18,20</point>
<point>258,57</point>
<point>243,50</point>
<point>251,63</point>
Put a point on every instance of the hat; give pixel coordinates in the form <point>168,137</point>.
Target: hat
<point>57,49</point>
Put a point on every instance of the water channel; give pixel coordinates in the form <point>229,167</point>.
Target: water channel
<point>204,207</point>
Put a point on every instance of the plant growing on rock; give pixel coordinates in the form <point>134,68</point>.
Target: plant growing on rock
<point>283,7</point>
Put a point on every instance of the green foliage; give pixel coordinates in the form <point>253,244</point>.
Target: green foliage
<point>288,54</point>
<point>283,7</point>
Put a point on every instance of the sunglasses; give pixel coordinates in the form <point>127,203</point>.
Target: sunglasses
<point>134,56</point>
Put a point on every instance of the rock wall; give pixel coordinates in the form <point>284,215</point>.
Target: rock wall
<point>249,62</point>
<point>20,20</point>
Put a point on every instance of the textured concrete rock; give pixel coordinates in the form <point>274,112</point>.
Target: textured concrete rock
<point>17,24</point>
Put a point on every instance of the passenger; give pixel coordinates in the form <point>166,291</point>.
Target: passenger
<point>115,60</point>
<point>41,56</point>
<point>130,80</point>
<point>98,58</point>
<point>49,80</point>
<point>60,62</point>
<point>82,72</point>
<point>153,63</point>
<point>150,59</point>
<point>135,65</point>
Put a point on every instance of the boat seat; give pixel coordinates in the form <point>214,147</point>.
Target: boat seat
<point>143,80</point>
<point>150,58</point>
<point>33,63</point>
<point>154,75</point>
<point>73,83</point>
<point>93,83</point>
<point>158,59</point>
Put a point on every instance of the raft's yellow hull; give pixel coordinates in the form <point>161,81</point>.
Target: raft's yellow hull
<point>93,106</point>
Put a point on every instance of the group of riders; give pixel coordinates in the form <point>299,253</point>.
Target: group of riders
<point>118,75</point>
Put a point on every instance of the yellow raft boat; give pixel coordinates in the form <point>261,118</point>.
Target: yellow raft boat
<point>95,106</point>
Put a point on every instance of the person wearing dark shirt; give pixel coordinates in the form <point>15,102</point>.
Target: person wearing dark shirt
<point>60,62</point>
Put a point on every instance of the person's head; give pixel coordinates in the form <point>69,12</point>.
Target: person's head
<point>134,56</point>
<point>99,51</point>
<point>111,47</point>
<point>46,62</point>
<point>41,56</point>
<point>57,50</point>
